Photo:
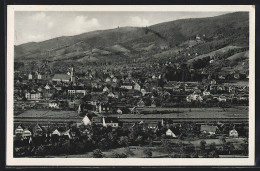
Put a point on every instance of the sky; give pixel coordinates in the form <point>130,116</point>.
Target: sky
<point>43,25</point>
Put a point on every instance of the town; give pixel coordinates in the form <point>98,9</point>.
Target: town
<point>123,106</point>
<point>174,89</point>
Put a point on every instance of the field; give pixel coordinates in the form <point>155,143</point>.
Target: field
<point>157,151</point>
<point>49,114</point>
<point>198,115</point>
<point>222,50</point>
<point>239,112</point>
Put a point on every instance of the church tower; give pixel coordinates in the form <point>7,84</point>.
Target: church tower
<point>72,72</point>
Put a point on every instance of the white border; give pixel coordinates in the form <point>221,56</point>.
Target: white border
<point>10,161</point>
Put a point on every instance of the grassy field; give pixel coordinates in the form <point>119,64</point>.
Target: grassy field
<point>138,151</point>
<point>236,112</point>
<point>49,114</point>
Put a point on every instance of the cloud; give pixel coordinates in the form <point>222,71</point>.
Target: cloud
<point>38,16</point>
<point>82,24</point>
<point>50,24</point>
<point>138,21</point>
<point>35,38</point>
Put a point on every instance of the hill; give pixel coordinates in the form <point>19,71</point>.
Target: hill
<point>165,40</point>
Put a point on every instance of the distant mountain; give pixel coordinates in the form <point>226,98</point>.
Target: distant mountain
<point>153,41</point>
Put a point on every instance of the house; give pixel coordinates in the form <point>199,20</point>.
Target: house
<point>19,130</point>
<point>37,130</point>
<point>108,80</point>
<point>94,85</point>
<point>170,133</point>
<point>111,95</point>
<point>33,95</point>
<point>86,121</point>
<point>103,108</point>
<point>76,90</point>
<point>105,89</point>
<point>206,93</point>
<point>152,126</point>
<point>114,80</point>
<point>153,104</point>
<point>26,134</point>
<point>56,132</point>
<point>39,76</point>
<point>236,76</point>
<point>208,129</point>
<point>143,92</point>
<point>137,87</point>
<point>140,103</point>
<point>233,133</point>
<point>54,105</point>
<point>110,122</point>
<point>222,98</point>
<point>213,82</point>
<point>194,97</point>
<point>119,111</point>
<point>30,76</point>
<point>48,91</point>
<point>67,134</point>
<point>61,78</point>
<point>127,86</point>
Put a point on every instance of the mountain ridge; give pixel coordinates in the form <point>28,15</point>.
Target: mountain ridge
<point>230,29</point>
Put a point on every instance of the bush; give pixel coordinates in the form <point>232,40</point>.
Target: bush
<point>117,155</point>
<point>123,141</point>
<point>97,154</point>
<point>129,152</point>
<point>148,152</point>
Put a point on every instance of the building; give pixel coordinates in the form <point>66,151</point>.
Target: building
<point>56,132</point>
<point>61,78</point>
<point>19,130</point>
<point>127,86</point>
<point>33,95</point>
<point>233,133</point>
<point>208,129</point>
<point>30,76</point>
<point>76,90</point>
<point>140,103</point>
<point>86,121</point>
<point>26,134</point>
<point>222,98</point>
<point>213,82</point>
<point>137,87</point>
<point>54,105</point>
<point>119,111</point>
<point>114,80</point>
<point>105,89</point>
<point>38,130</point>
<point>108,80</point>
<point>103,108</point>
<point>170,133</point>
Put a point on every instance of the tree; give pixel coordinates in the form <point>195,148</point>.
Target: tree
<point>167,147</point>
<point>139,140</point>
<point>212,146</point>
<point>123,141</point>
<point>222,139</point>
<point>97,154</point>
<point>244,148</point>
<point>202,145</point>
<point>117,155</point>
<point>148,152</point>
<point>228,146</point>
<point>128,151</point>
<point>103,144</point>
<point>213,154</point>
